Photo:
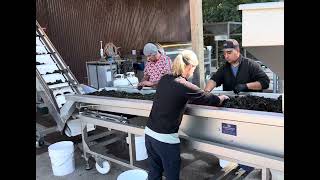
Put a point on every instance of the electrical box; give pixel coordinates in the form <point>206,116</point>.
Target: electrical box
<point>100,73</point>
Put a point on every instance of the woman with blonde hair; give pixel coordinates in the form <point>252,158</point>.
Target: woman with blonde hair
<point>172,95</point>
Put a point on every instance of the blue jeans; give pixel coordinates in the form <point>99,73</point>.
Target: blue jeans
<point>163,157</point>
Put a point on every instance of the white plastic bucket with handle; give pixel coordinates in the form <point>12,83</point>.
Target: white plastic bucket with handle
<point>223,163</point>
<point>276,175</point>
<point>141,151</point>
<point>62,158</point>
<point>134,174</point>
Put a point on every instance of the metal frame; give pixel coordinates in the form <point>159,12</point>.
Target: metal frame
<point>143,107</point>
<point>254,159</point>
<point>174,49</point>
<point>46,94</point>
<point>208,62</point>
<point>102,63</point>
<point>60,62</point>
<point>112,125</point>
<point>60,115</point>
<point>41,132</point>
<point>228,23</point>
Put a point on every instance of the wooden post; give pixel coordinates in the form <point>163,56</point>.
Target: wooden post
<point>197,40</point>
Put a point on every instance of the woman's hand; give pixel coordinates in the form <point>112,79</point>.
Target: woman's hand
<point>146,83</point>
<point>222,98</point>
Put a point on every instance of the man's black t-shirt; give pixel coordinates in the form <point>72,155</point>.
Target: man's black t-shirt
<point>248,71</point>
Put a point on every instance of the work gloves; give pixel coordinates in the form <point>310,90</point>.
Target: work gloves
<point>239,88</point>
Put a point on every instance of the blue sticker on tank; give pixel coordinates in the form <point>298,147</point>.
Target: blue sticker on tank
<point>230,129</point>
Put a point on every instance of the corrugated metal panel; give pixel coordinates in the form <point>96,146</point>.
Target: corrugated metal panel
<point>76,26</point>
<point>42,13</point>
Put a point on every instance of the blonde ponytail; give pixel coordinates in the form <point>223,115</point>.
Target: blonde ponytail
<point>183,59</point>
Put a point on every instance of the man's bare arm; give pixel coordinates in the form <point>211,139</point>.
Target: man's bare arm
<point>210,85</point>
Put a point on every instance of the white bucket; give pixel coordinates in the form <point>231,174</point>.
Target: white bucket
<point>277,175</point>
<point>74,128</point>
<point>223,163</point>
<point>135,174</point>
<point>141,151</point>
<point>62,159</point>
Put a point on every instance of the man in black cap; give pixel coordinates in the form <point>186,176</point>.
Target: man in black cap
<point>238,74</point>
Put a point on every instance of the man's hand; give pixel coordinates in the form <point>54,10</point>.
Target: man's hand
<point>239,88</point>
<point>210,85</point>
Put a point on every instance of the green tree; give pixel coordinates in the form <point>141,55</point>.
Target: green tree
<point>225,10</point>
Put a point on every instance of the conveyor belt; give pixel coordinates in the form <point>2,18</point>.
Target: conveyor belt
<point>54,79</point>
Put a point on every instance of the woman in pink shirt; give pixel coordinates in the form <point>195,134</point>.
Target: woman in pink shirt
<point>157,65</point>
